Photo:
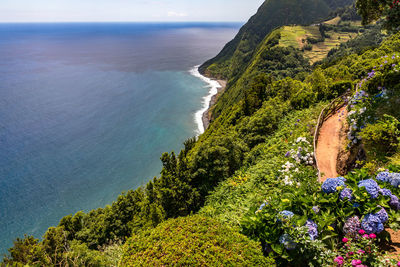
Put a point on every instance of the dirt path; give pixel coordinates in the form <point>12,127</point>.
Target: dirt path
<point>328,145</point>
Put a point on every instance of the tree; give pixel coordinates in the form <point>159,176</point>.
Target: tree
<point>371,10</point>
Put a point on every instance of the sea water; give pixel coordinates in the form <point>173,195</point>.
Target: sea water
<point>86,110</point>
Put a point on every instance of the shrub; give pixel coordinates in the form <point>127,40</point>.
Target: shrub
<point>382,138</point>
<point>193,241</point>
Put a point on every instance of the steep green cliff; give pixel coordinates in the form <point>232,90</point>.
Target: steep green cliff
<point>273,13</point>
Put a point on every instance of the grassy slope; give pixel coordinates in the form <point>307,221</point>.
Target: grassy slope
<point>250,185</point>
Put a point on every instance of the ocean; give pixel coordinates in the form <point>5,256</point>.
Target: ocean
<point>87,109</point>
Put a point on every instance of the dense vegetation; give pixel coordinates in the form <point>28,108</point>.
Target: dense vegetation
<point>190,241</point>
<point>257,151</point>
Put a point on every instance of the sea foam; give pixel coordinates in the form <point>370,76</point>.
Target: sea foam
<point>213,86</point>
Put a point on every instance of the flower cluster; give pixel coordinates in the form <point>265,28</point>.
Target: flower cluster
<point>346,193</point>
<point>352,226</point>
<point>287,241</point>
<point>331,185</point>
<point>373,223</point>
<point>286,171</point>
<point>312,229</point>
<point>394,202</point>
<point>315,209</point>
<point>385,192</point>
<point>371,186</point>
<point>303,153</point>
<point>285,215</point>
<point>388,177</point>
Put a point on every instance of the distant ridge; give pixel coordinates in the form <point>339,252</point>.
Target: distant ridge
<point>273,13</point>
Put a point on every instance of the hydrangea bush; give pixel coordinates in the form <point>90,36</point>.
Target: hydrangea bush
<point>295,224</point>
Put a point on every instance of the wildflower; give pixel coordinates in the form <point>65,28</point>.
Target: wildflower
<point>345,240</point>
<point>360,251</point>
<point>330,228</point>
<point>361,232</point>
<point>287,241</point>
<point>287,154</point>
<point>370,186</point>
<point>312,229</point>
<point>356,205</point>
<point>356,262</point>
<point>330,185</point>
<point>285,200</point>
<point>366,236</point>
<point>351,226</point>
<point>346,193</point>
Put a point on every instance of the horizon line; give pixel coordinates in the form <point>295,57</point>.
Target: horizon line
<point>9,22</point>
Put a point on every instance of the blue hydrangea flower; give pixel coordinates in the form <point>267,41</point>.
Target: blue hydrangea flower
<point>384,177</point>
<point>383,216</point>
<point>331,184</point>
<point>385,192</point>
<point>287,241</point>
<point>346,193</point>
<point>394,202</point>
<point>372,224</point>
<point>395,179</point>
<point>312,229</point>
<point>371,186</point>
<point>285,215</point>
<point>351,226</point>
<point>315,209</point>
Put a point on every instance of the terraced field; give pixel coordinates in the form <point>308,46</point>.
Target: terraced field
<point>296,36</point>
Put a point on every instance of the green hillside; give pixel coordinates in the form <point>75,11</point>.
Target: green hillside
<point>246,192</point>
<point>273,13</point>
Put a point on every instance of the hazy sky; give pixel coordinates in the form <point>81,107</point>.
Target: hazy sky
<point>127,10</point>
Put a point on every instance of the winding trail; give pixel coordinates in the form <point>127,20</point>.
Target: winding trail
<point>329,144</point>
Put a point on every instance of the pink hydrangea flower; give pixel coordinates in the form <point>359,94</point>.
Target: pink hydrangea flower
<point>339,260</point>
<point>356,262</point>
<point>372,236</point>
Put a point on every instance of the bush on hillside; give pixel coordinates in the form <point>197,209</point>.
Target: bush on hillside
<point>193,241</point>
<point>382,138</point>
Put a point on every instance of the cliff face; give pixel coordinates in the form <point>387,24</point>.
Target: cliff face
<point>272,14</point>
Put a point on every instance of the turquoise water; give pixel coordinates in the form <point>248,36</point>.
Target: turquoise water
<point>87,109</point>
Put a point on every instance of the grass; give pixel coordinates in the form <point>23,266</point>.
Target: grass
<point>334,21</point>
<point>296,36</point>
<point>321,50</point>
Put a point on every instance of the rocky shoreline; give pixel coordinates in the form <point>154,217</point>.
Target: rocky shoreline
<point>206,118</point>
